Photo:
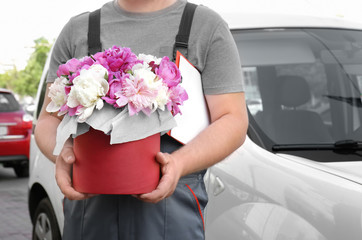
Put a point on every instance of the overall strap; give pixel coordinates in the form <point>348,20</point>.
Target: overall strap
<point>181,41</point>
<point>182,38</point>
<point>94,32</point>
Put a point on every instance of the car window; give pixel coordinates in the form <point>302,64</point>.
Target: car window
<point>8,103</point>
<point>303,86</point>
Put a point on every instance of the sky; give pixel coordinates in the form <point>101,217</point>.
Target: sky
<point>23,21</point>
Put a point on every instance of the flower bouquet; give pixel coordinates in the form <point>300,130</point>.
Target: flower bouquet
<point>115,105</point>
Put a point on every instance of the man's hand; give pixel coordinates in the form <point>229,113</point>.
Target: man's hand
<point>171,173</point>
<point>63,166</point>
<point>227,131</point>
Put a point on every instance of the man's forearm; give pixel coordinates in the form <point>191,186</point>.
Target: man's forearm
<point>45,135</point>
<point>212,145</point>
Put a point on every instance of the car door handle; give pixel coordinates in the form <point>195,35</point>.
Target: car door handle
<point>218,187</point>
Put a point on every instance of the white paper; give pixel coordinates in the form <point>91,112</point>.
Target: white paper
<point>195,115</point>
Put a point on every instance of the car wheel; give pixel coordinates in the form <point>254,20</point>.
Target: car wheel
<point>22,171</point>
<point>45,225</point>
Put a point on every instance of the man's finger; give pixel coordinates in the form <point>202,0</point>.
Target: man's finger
<point>63,176</point>
<point>168,181</point>
<point>65,185</point>
<point>68,155</point>
<point>161,158</point>
<point>68,190</point>
<point>71,194</point>
<point>162,191</point>
<point>154,196</point>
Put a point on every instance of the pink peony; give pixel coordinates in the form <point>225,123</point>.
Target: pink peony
<point>140,97</point>
<point>101,59</point>
<point>114,86</point>
<point>177,96</point>
<point>86,62</point>
<point>120,59</point>
<point>70,67</point>
<point>73,111</point>
<point>64,109</point>
<point>169,72</point>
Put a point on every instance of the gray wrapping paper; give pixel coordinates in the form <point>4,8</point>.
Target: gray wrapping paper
<point>116,123</point>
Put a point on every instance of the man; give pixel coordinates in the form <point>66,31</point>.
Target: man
<point>150,27</point>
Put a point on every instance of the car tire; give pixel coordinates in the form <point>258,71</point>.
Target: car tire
<point>45,224</point>
<point>22,171</point>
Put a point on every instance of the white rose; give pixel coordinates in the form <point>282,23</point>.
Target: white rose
<point>87,91</point>
<point>57,95</point>
<point>149,58</point>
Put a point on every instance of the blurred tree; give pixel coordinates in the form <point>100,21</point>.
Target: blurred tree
<point>25,82</point>
<point>7,78</point>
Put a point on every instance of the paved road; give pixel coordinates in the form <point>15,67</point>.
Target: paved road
<point>14,215</point>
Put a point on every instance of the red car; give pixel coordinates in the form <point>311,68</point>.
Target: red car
<point>15,133</point>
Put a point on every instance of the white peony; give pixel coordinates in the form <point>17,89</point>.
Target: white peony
<point>147,75</point>
<point>98,70</point>
<point>57,95</point>
<point>162,96</point>
<point>87,90</point>
<point>143,71</point>
<point>149,58</point>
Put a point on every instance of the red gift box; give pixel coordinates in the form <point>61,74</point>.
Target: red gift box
<point>126,168</point>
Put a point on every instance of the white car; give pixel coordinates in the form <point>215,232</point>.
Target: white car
<point>299,174</point>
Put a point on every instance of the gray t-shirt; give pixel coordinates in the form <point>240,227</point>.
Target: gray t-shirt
<point>211,46</point>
